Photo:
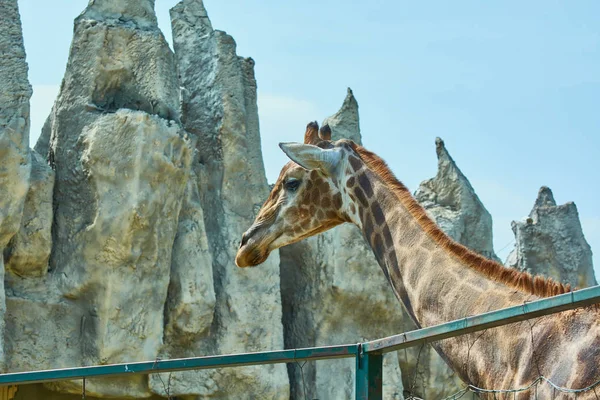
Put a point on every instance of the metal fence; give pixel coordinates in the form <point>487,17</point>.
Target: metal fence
<point>368,355</point>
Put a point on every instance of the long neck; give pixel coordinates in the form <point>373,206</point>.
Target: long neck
<point>434,285</point>
<point>439,280</point>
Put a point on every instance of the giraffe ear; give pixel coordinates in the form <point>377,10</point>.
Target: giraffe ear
<point>312,157</point>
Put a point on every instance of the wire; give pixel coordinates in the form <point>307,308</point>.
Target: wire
<point>167,387</point>
<point>301,366</point>
<point>539,380</point>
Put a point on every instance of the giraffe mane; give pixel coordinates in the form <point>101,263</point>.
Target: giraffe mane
<point>524,281</point>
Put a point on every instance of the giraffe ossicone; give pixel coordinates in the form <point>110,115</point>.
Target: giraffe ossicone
<point>436,279</point>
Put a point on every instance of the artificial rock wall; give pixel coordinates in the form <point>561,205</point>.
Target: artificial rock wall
<point>453,204</point>
<point>235,310</point>
<point>113,257</point>
<point>119,231</point>
<point>550,242</point>
<point>15,166</point>
<point>121,161</point>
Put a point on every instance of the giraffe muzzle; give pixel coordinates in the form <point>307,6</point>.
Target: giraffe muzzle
<point>250,257</point>
<point>250,252</point>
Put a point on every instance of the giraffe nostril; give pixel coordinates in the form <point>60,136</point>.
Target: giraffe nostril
<point>244,239</point>
<point>248,234</point>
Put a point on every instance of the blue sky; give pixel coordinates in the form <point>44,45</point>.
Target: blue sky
<point>512,87</point>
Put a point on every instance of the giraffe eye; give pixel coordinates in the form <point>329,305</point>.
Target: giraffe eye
<point>292,184</point>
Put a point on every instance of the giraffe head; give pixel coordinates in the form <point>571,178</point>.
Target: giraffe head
<point>308,198</point>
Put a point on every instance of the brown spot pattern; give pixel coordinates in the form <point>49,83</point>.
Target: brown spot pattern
<point>367,226</point>
<point>337,201</point>
<point>323,187</point>
<point>403,294</point>
<point>393,263</point>
<point>361,196</point>
<point>387,236</point>
<point>355,162</point>
<point>314,197</point>
<point>365,184</point>
<point>377,214</point>
<point>378,246</point>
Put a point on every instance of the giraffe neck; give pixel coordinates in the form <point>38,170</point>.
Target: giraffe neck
<point>434,285</point>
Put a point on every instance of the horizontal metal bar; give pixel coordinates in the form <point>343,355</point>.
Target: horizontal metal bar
<point>182,364</point>
<point>488,320</point>
<point>475,323</point>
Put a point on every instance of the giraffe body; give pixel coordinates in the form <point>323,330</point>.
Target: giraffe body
<point>436,279</point>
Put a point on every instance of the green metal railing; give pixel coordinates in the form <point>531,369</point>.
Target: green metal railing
<point>368,355</point>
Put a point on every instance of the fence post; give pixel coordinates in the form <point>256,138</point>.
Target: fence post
<point>369,375</point>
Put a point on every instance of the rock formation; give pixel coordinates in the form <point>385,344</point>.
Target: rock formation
<point>334,292</point>
<point>112,261</point>
<point>345,124</point>
<point>453,204</point>
<point>229,184</point>
<point>15,158</point>
<point>28,251</point>
<point>122,161</point>
<point>550,242</point>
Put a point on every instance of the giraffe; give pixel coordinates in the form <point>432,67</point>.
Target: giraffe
<point>437,280</point>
